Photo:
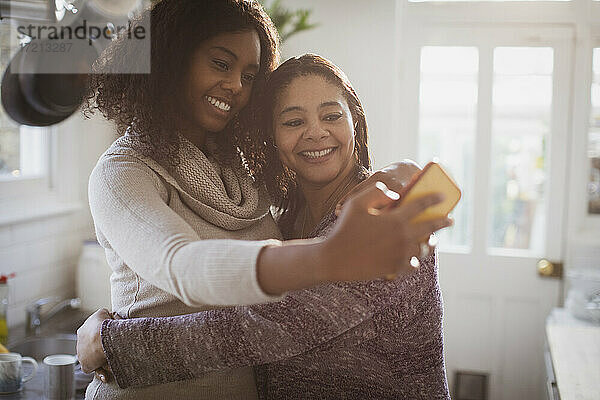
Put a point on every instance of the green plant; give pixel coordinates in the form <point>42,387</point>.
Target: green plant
<point>288,22</point>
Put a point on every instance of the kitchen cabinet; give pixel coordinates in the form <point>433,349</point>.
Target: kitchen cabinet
<point>572,357</point>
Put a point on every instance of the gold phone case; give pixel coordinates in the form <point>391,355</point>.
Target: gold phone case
<point>432,179</point>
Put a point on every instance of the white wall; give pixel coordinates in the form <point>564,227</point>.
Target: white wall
<point>361,38</point>
<point>43,252</point>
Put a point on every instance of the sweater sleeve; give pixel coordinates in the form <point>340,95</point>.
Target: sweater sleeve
<point>129,207</point>
<point>149,351</point>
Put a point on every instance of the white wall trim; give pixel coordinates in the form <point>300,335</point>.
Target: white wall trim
<point>36,209</point>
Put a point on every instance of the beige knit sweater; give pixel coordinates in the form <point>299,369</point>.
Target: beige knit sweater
<point>172,238</point>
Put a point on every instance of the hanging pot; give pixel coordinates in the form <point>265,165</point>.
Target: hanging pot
<point>42,87</point>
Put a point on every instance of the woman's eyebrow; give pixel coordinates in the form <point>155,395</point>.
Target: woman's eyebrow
<point>292,108</point>
<point>233,55</point>
<point>330,103</point>
<point>226,50</point>
<point>298,108</point>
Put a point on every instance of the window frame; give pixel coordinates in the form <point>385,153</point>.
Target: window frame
<point>589,222</point>
<point>454,24</point>
<point>27,198</point>
<point>30,182</point>
<point>583,16</point>
<point>582,225</point>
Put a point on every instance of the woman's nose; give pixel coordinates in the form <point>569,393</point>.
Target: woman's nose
<point>233,84</point>
<point>314,131</point>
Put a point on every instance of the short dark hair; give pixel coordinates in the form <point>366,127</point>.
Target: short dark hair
<point>266,165</point>
<point>146,103</point>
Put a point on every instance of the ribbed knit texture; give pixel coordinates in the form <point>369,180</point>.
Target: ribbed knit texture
<point>371,340</point>
<point>157,224</point>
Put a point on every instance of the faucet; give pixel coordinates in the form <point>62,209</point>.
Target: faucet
<point>34,316</point>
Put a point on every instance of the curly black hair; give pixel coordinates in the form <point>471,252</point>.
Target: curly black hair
<point>147,104</point>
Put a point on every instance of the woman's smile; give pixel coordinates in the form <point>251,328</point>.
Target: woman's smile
<point>314,130</point>
<point>318,156</point>
<point>220,104</point>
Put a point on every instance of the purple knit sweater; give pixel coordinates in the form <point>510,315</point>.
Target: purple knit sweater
<point>368,340</point>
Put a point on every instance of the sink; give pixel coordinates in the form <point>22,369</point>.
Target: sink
<point>56,337</point>
<point>40,347</point>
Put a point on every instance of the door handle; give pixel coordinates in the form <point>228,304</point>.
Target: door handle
<point>548,269</point>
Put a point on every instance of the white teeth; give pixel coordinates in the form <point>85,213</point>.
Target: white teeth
<point>317,154</point>
<point>221,105</point>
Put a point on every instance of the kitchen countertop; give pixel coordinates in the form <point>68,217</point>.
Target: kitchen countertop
<point>575,349</point>
<point>66,322</point>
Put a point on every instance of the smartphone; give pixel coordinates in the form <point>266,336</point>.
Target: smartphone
<point>432,179</point>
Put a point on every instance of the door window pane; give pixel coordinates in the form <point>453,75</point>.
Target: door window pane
<point>447,120</point>
<point>594,139</point>
<point>521,117</point>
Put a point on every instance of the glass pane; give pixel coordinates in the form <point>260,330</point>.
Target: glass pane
<point>594,139</point>
<point>23,150</point>
<point>9,131</point>
<point>447,120</point>
<point>522,103</point>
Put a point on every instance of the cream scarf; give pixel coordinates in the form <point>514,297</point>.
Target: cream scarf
<point>224,196</point>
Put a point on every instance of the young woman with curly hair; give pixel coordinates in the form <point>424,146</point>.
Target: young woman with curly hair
<point>371,340</point>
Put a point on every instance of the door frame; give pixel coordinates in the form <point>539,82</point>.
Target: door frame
<point>561,38</point>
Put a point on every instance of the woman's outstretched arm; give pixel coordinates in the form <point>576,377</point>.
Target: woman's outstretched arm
<point>129,205</point>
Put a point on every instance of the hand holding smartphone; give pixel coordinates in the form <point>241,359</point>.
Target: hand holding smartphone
<point>432,179</point>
